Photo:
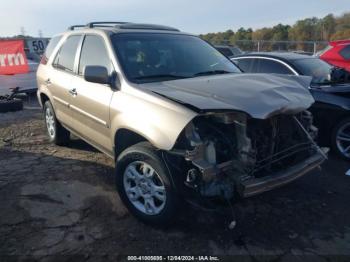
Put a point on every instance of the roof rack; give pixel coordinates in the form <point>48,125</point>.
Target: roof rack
<point>125,25</point>
<point>146,27</point>
<point>74,26</point>
<point>104,24</point>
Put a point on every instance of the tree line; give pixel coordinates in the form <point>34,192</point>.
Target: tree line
<point>327,28</point>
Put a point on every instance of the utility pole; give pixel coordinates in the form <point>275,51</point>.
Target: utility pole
<point>40,33</point>
<point>315,48</point>
<point>23,31</point>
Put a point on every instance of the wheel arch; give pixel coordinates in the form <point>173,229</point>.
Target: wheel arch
<point>125,138</point>
<point>43,98</point>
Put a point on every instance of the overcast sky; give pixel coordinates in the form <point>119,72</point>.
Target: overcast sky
<point>195,16</point>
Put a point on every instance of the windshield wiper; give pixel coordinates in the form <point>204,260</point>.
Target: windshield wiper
<point>160,76</point>
<point>212,72</point>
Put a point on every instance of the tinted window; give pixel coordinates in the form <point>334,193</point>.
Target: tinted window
<point>147,57</point>
<point>317,68</point>
<point>51,46</point>
<point>236,50</point>
<point>65,57</point>
<point>269,66</point>
<point>49,49</point>
<point>345,52</point>
<point>225,51</point>
<point>94,52</point>
<point>245,64</point>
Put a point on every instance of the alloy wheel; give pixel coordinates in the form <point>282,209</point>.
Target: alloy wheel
<point>50,122</point>
<point>144,188</point>
<point>343,139</point>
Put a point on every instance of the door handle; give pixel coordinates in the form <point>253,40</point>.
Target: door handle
<point>47,82</point>
<point>73,92</point>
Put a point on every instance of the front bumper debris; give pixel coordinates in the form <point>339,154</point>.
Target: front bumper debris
<point>254,186</point>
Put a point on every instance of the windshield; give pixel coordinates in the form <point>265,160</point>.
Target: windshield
<point>152,57</point>
<point>317,68</point>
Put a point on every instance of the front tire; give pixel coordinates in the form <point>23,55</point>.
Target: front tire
<point>341,139</point>
<point>144,185</point>
<point>57,133</point>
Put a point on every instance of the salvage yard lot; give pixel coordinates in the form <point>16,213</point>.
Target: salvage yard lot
<point>62,201</point>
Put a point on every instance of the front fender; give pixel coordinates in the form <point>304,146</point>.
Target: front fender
<point>158,120</point>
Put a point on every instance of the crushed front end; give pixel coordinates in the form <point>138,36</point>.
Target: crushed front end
<point>230,154</point>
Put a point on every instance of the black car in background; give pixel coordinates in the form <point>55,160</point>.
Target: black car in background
<point>228,50</point>
<point>330,87</point>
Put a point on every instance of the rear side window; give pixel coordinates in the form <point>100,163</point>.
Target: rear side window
<point>245,64</point>
<point>66,55</point>
<point>94,52</point>
<point>345,52</point>
<point>270,66</point>
<point>49,49</point>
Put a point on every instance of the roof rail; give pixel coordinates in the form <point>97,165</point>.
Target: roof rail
<point>146,27</point>
<point>104,24</point>
<point>125,25</point>
<point>74,26</point>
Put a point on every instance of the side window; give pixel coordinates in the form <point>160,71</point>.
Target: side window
<point>245,64</point>
<point>49,49</point>
<point>94,52</point>
<point>66,55</point>
<point>270,66</point>
<point>345,52</point>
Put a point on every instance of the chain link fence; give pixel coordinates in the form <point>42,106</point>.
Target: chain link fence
<point>304,47</point>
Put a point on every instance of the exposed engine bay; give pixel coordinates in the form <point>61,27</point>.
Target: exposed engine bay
<point>230,153</point>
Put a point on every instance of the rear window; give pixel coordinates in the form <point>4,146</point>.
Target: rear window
<point>65,57</point>
<point>345,52</point>
<point>49,49</point>
<point>315,67</point>
<point>225,51</point>
<point>236,50</point>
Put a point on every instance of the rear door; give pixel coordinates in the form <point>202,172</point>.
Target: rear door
<point>60,79</point>
<point>90,103</point>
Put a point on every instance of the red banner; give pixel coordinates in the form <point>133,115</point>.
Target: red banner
<point>13,60</point>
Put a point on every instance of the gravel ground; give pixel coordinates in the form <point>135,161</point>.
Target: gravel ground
<point>59,202</point>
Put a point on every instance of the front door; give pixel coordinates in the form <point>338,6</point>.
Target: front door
<point>91,101</point>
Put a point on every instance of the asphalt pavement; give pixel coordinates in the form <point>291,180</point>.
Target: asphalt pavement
<point>59,203</point>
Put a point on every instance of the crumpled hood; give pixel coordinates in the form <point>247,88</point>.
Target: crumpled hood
<point>259,95</point>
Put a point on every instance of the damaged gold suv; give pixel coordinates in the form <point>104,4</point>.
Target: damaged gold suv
<point>178,117</point>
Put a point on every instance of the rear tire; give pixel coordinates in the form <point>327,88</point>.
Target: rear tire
<point>144,185</point>
<point>341,139</point>
<point>57,133</point>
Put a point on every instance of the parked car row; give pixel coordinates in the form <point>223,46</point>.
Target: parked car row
<point>337,53</point>
<point>330,88</point>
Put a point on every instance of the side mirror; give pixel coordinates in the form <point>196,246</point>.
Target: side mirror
<point>96,74</point>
